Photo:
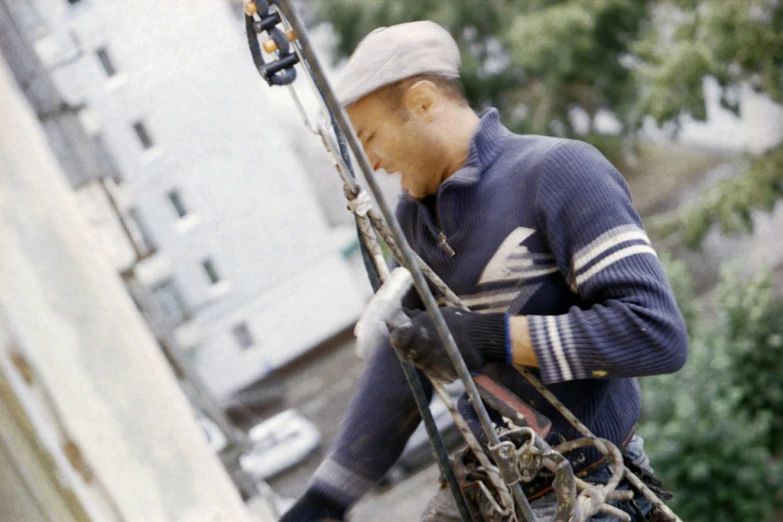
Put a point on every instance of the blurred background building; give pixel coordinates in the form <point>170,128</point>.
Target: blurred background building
<point>196,194</point>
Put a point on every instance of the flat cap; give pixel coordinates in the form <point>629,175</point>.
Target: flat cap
<point>390,54</point>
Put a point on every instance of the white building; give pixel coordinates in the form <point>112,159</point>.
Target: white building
<point>241,256</point>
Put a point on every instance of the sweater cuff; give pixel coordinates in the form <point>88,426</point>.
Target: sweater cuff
<point>553,344</point>
<point>340,485</point>
<point>491,330</point>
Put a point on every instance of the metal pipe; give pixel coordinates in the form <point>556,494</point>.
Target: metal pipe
<point>409,257</point>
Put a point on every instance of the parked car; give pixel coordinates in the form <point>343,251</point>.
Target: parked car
<point>278,443</point>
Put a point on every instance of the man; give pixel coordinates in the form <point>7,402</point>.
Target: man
<point>537,235</point>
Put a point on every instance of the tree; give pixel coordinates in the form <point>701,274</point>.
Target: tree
<point>738,43</point>
<point>730,203</point>
<point>751,331</point>
<point>713,429</point>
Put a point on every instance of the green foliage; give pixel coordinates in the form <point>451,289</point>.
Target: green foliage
<point>715,461</point>
<point>739,43</point>
<point>752,330</point>
<point>730,203</point>
<point>711,428</point>
<point>536,60</point>
<point>677,271</point>
<point>735,41</point>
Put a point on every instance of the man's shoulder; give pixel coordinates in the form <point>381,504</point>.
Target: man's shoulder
<point>559,160</point>
<point>528,157</point>
<point>535,148</point>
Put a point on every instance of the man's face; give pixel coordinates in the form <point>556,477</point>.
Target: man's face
<point>400,141</point>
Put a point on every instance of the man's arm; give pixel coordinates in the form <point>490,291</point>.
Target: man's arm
<point>631,325</point>
<point>380,419</point>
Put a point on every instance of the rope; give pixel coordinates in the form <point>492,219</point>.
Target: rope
<point>492,471</point>
<point>360,204</point>
<point>635,481</point>
<point>593,498</point>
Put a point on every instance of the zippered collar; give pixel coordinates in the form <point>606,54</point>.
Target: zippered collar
<point>485,146</point>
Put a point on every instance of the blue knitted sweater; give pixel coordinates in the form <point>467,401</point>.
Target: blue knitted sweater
<point>541,227</point>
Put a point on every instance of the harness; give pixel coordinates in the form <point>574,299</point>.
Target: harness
<point>514,454</point>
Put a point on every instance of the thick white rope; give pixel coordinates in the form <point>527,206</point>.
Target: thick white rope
<point>360,205</point>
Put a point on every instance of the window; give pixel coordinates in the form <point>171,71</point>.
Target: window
<point>176,202</point>
<point>170,301</point>
<point>243,336</point>
<point>209,269</point>
<point>106,63</point>
<point>143,134</point>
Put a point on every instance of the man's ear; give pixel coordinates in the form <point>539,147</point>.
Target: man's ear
<point>421,99</point>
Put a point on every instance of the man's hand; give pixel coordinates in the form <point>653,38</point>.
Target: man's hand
<point>313,507</point>
<point>481,339</point>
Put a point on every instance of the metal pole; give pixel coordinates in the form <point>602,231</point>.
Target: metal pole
<point>409,257</point>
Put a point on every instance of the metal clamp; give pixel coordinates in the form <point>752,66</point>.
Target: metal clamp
<point>260,18</point>
<point>505,455</point>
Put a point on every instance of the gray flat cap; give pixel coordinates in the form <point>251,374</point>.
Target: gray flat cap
<point>390,54</point>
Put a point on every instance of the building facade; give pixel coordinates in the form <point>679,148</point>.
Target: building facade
<point>230,250</point>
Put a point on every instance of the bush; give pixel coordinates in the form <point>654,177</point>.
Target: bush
<point>711,428</point>
<point>752,330</point>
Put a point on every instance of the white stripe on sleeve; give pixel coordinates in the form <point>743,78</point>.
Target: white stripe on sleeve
<point>557,348</point>
<point>613,258</point>
<point>608,240</point>
<point>567,340</point>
